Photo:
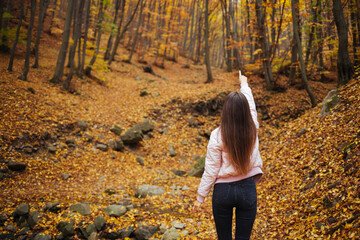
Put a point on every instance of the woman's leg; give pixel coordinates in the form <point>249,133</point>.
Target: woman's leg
<point>222,211</point>
<point>245,209</point>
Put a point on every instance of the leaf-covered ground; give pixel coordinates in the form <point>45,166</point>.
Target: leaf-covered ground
<point>311,184</point>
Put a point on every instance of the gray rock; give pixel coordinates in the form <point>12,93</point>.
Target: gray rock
<point>82,125</point>
<point>163,228</point>
<point>132,136</point>
<point>121,234</point>
<point>185,188</point>
<point>172,152</point>
<point>302,131</point>
<point>185,233</point>
<point>178,172</point>
<point>27,149</point>
<point>102,147</point>
<point>151,190</point>
<point>116,129</point>
<point>65,176</point>
<point>171,234</point>
<point>116,145</point>
<point>66,228</point>
<point>88,137</point>
<point>198,169</point>
<point>16,166</point>
<point>70,141</point>
<point>52,207</point>
<point>42,236</point>
<point>22,210</point>
<point>99,222</point>
<point>115,210</point>
<point>10,228</point>
<point>145,126</point>
<point>88,230</point>
<point>140,160</point>
<point>2,176</point>
<point>33,219</point>
<point>82,208</point>
<point>93,236</point>
<point>145,232</point>
<point>51,149</point>
<point>179,225</point>
<point>330,101</point>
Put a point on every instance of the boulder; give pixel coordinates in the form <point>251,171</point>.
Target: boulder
<point>178,172</point>
<point>51,149</point>
<point>52,207</point>
<point>93,236</point>
<point>145,126</point>
<point>116,145</point>
<point>99,222</point>
<point>102,147</point>
<point>42,236</point>
<point>145,232</point>
<point>22,210</point>
<point>116,129</point>
<point>330,101</point>
<point>115,210</point>
<point>82,208</point>
<point>16,166</point>
<point>171,234</point>
<point>132,136</point>
<point>66,228</point>
<point>151,190</point>
<point>33,219</point>
<point>172,152</point>
<point>88,230</point>
<point>121,234</point>
<point>198,169</point>
<point>27,149</point>
<point>140,160</point>
<point>82,125</point>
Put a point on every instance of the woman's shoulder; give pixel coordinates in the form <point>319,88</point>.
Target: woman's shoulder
<point>216,134</point>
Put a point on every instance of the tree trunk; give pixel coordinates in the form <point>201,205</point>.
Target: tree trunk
<point>112,33</point>
<point>43,6</point>
<point>226,18</point>
<point>16,37</point>
<point>261,15</point>
<point>77,35</point>
<point>143,2</point>
<point>59,71</point>
<point>120,35</point>
<point>294,50</point>
<point>198,41</point>
<point>93,59</point>
<point>354,22</point>
<point>25,71</point>
<point>248,29</point>
<point>80,69</point>
<point>298,43</point>
<point>344,66</point>
<point>190,49</point>
<point>52,18</point>
<point>207,48</point>
<point>4,41</point>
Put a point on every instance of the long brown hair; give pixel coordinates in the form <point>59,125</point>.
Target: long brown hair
<point>238,131</point>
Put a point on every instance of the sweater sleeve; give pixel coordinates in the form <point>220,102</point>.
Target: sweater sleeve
<point>212,167</point>
<point>245,89</point>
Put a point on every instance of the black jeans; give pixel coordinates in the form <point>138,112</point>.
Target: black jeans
<point>240,195</point>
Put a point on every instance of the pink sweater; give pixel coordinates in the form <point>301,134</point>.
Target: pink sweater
<point>218,169</point>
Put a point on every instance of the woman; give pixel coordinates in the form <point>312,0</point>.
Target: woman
<point>234,164</point>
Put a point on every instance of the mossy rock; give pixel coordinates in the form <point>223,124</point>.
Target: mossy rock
<point>198,169</point>
<point>331,100</point>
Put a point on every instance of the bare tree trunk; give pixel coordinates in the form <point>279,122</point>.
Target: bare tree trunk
<point>80,69</point>
<point>43,6</point>
<point>190,49</point>
<point>25,71</point>
<point>207,48</point>
<point>248,29</point>
<point>4,43</point>
<point>112,33</point>
<point>294,50</point>
<point>52,18</point>
<point>303,68</point>
<point>59,71</point>
<point>344,66</point>
<point>261,16</point>
<point>142,4</point>
<point>77,35</point>
<point>226,18</point>
<point>120,35</point>
<point>16,37</point>
<point>93,59</point>
<point>198,46</point>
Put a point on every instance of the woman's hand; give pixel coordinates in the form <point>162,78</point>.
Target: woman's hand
<point>242,78</point>
<point>196,206</point>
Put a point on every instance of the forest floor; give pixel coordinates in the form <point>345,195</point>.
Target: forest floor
<point>310,188</point>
